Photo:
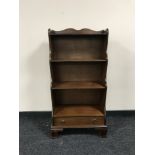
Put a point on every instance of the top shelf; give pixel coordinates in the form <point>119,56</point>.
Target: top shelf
<point>88,47</point>
<point>71,32</point>
<point>75,34</point>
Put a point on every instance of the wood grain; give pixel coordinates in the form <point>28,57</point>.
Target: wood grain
<point>78,85</point>
<point>77,110</point>
<point>78,63</point>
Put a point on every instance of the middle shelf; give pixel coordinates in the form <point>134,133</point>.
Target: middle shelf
<point>79,71</point>
<point>77,85</point>
<point>78,60</point>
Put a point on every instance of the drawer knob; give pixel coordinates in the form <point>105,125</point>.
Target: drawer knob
<point>62,120</point>
<point>94,120</point>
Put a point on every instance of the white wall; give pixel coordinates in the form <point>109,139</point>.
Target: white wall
<point>36,16</point>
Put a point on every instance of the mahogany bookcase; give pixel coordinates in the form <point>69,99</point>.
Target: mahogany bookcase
<point>78,65</point>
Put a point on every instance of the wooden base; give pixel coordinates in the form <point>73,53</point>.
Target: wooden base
<point>56,131</point>
<point>102,132</point>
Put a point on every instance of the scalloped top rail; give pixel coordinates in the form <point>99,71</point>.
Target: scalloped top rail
<point>71,31</point>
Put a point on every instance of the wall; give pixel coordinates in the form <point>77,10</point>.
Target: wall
<point>36,16</point>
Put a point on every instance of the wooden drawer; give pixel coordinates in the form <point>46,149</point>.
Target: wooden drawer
<point>78,121</point>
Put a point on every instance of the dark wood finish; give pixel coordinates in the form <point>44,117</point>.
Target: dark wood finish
<point>75,121</point>
<point>78,85</point>
<point>78,64</point>
<point>85,47</point>
<point>77,110</point>
<point>71,31</point>
<point>76,60</point>
<point>102,131</point>
<point>55,132</point>
<point>79,96</point>
<point>79,71</point>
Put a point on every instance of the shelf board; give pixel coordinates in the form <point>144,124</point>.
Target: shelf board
<point>78,34</point>
<point>84,31</point>
<point>77,85</point>
<point>77,110</point>
<point>78,60</point>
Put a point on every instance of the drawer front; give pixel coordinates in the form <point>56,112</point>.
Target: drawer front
<point>76,121</point>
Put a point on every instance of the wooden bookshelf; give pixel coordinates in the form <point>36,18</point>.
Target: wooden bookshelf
<point>78,64</point>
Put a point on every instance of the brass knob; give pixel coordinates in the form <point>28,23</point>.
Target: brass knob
<point>62,120</point>
<point>94,120</point>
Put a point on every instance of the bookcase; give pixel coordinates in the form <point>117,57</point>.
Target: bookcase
<point>78,64</point>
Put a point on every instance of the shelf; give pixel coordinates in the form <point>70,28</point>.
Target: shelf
<point>71,31</point>
<point>78,60</point>
<point>77,110</point>
<point>75,34</point>
<point>78,85</point>
<point>79,71</point>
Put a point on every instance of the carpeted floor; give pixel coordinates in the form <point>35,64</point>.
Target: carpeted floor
<point>34,139</point>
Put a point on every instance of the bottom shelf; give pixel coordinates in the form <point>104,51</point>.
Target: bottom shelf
<point>77,110</point>
<point>78,85</point>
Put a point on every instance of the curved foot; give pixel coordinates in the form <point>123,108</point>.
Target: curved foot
<point>54,133</point>
<point>102,132</point>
